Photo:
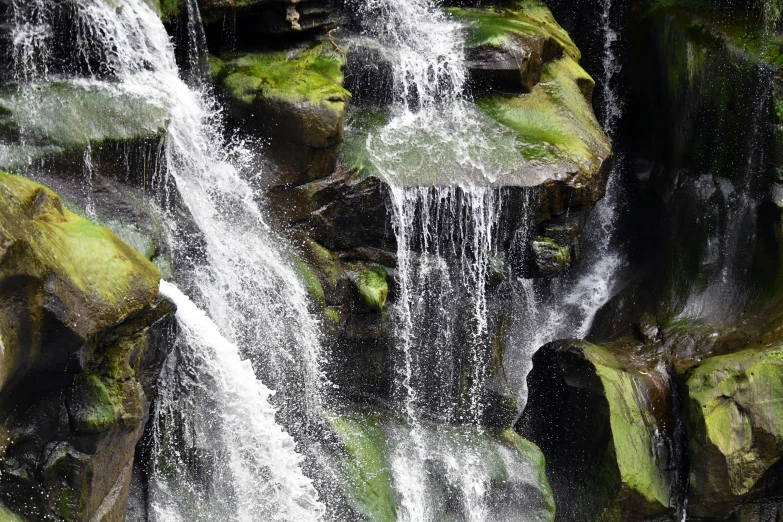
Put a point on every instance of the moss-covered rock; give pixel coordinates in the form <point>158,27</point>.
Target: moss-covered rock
<point>46,119</point>
<point>377,451</point>
<point>508,46</point>
<point>84,334</point>
<point>296,99</point>
<point>735,417</point>
<point>602,427</point>
<point>372,285</point>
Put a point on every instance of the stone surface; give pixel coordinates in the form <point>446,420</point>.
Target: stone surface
<point>508,46</point>
<point>84,334</point>
<point>735,416</point>
<point>603,428</point>
<point>293,98</point>
<point>368,440</point>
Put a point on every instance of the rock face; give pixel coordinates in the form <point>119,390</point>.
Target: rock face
<point>84,334</point>
<point>293,98</point>
<point>603,428</point>
<point>370,441</point>
<point>735,416</point>
<point>254,22</point>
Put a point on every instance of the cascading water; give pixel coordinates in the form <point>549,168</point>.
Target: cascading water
<point>441,161</point>
<point>565,308</point>
<point>232,454</point>
<point>211,402</point>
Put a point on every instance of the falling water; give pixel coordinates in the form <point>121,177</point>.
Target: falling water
<point>211,405</point>
<point>247,288</point>
<point>442,161</point>
<point>565,308</point>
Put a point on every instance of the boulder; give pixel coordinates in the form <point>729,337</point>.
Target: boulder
<point>374,451</point>
<point>84,335</point>
<point>508,46</point>
<point>293,98</point>
<point>735,418</point>
<point>607,432</point>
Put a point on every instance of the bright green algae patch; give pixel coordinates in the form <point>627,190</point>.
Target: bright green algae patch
<point>365,469</point>
<point>736,409</point>
<point>98,278</point>
<point>555,123</point>
<point>632,426</point>
<point>373,287</point>
<point>495,27</point>
<point>312,74</point>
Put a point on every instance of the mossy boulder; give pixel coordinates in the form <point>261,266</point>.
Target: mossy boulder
<point>39,121</point>
<point>735,417</point>
<point>508,46</point>
<point>602,428</point>
<point>295,99</point>
<point>84,335</point>
<point>376,451</point>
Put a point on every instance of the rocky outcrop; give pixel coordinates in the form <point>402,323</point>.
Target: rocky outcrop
<point>293,98</point>
<point>367,443</point>
<point>84,334</point>
<point>606,430</point>
<point>735,418</point>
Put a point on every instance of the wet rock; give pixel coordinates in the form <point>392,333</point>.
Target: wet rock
<point>293,98</point>
<point>370,458</point>
<point>507,47</point>
<point>734,415</point>
<point>603,428</point>
<point>85,335</point>
<point>368,74</point>
<point>232,24</point>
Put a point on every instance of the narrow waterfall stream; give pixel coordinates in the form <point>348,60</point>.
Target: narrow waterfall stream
<point>565,308</point>
<point>213,408</point>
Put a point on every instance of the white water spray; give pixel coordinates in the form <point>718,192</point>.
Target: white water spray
<point>211,405</point>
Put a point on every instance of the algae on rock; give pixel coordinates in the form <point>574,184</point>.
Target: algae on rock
<point>294,98</point>
<point>84,334</point>
<point>735,416</point>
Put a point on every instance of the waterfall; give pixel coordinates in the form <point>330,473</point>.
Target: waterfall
<point>442,162</point>
<point>211,402</point>
<point>565,308</point>
<point>242,459</point>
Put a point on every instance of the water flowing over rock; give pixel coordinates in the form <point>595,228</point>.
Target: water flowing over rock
<point>354,251</point>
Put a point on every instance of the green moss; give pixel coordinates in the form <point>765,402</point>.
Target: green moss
<point>555,123</point>
<point>170,10</point>
<point>332,315</point>
<point>737,401</point>
<point>308,75</point>
<point>311,282</point>
<point>531,453</point>
<point>546,249</point>
<point>632,427</point>
<point>100,411</point>
<point>373,287</point>
<point>496,27</point>
<point>71,116</point>
<point>99,279</point>
<point>6,515</point>
<point>366,470</point>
